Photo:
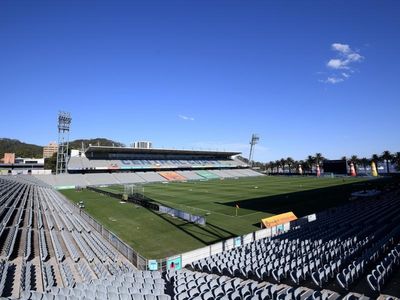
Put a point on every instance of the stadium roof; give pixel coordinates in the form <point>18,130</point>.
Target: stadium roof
<point>111,149</point>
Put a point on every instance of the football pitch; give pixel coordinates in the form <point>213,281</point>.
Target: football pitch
<point>156,235</point>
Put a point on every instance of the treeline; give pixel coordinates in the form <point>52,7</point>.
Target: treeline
<point>19,148</point>
<point>77,144</point>
<point>308,164</point>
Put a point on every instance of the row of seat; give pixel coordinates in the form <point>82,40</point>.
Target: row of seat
<point>48,276</point>
<point>376,279</point>
<point>57,246</point>
<point>28,243</point>
<point>44,252</point>
<point>26,276</point>
<point>66,275</point>
<point>73,252</point>
<point>8,248</point>
<point>3,275</point>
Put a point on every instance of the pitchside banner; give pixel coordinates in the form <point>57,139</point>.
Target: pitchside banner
<point>174,263</point>
<point>152,265</point>
<point>238,241</point>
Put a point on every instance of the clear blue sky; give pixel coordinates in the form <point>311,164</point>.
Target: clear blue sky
<point>307,76</point>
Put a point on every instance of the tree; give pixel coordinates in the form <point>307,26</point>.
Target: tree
<point>319,158</point>
<point>309,163</point>
<point>396,160</point>
<point>365,162</point>
<point>277,164</point>
<point>50,163</point>
<point>271,166</point>
<point>387,157</point>
<point>354,159</point>
<point>290,163</point>
<point>283,163</point>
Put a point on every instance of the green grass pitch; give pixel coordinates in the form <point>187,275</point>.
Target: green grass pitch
<point>156,235</point>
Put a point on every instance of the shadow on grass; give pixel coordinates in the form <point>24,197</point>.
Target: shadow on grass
<point>196,231</point>
<point>307,202</point>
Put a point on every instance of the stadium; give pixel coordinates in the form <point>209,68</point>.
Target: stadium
<point>136,223</point>
<point>199,150</point>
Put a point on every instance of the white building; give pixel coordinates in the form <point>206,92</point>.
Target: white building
<point>142,145</point>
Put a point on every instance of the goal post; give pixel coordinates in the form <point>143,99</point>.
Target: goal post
<point>136,190</point>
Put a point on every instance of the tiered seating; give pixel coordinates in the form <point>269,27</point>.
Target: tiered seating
<point>195,285</point>
<point>172,176</point>
<point>83,163</point>
<point>221,173</point>
<point>248,172</point>
<point>83,180</point>
<point>343,246</point>
<point>234,173</point>
<point>100,179</point>
<point>339,245</point>
<point>125,178</point>
<point>381,273</point>
<point>48,179</point>
<point>190,175</point>
<point>207,174</point>
<point>45,215</point>
<point>130,285</point>
<point>151,176</point>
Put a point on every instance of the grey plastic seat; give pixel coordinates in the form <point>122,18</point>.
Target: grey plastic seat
<point>235,296</point>
<point>137,297</point>
<point>208,296</point>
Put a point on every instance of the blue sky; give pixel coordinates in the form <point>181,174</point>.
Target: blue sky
<point>307,76</point>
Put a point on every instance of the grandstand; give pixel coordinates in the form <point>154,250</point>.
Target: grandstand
<point>100,165</point>
<point>46,247</point>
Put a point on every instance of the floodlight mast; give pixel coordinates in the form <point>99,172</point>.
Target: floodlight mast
<point>64,123</point>
<point>254,140</point>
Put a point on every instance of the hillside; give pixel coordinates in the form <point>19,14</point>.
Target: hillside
<point>77,144</point>
<point>20,149</point>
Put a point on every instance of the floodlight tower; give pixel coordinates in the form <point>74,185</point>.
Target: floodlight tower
<point>64,123</point>
<point>254,140</point>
